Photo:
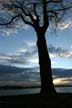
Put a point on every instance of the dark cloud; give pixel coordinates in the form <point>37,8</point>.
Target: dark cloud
<point>22,55</point>
<point>19,59</point>
<point>53,49</point>
<point>12,73</point>
<point>59,51</point>
<point>22,76</point>
<point>29,54</point>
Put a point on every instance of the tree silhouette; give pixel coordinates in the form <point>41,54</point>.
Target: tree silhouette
<point>39,14</point>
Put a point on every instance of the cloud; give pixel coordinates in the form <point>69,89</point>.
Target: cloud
<point>13,29</point>
<point>22,50</point>
<point>14,75</point>
<point>11,75</point>
<point>53,62</point>
<point>23,56</point>
<point>30,43</point>
<point>26,27</point>
<point>59,51</point>
<point>29,54</point>
<point>11,59</point>
<point>25,76</point>
<point>52,55</point>
<point>18,24</point>
<point>34,60</point>
<point>65,25</point>
<point>61,81</point>
<point>9,32</point>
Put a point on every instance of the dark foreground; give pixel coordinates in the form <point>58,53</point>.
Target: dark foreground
<point>37,101</point>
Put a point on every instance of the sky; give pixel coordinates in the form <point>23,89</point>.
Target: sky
<point>18,47</point>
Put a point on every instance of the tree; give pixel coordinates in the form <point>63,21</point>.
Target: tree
<point>39,14</point>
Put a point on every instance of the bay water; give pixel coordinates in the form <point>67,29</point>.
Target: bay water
<point>32,91</point>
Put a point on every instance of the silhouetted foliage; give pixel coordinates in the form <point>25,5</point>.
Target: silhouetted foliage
<point>39,14</point>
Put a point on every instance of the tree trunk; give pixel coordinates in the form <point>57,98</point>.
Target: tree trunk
<point>45,66</point>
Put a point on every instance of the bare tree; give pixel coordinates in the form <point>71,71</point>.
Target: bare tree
<point>39,14</point>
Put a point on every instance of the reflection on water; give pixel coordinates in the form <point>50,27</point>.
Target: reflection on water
<point>64,89</point>
<point>32,90</point>
<point>19,91</point>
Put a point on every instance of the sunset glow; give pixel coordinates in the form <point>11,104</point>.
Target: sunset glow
<point>62,81</point>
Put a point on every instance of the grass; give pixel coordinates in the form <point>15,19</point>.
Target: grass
<point>59,100</point>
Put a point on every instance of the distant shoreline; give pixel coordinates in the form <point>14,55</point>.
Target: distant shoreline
<point>27,87</point>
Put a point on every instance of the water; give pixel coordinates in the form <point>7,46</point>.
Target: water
<point>32,90</point>
<point>64,89</point>
<point>19,92</point>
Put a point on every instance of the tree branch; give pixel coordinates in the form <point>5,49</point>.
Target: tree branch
<point>45,17</point>
<point>23,10</point>
<point>26,22</point>
<point>55,13</point>
<point>53,1</point>
<point>9,22</point>
<point>62,9</point>
<point>35,11</point>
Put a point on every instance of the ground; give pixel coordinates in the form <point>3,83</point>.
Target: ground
<point>61,100</point>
